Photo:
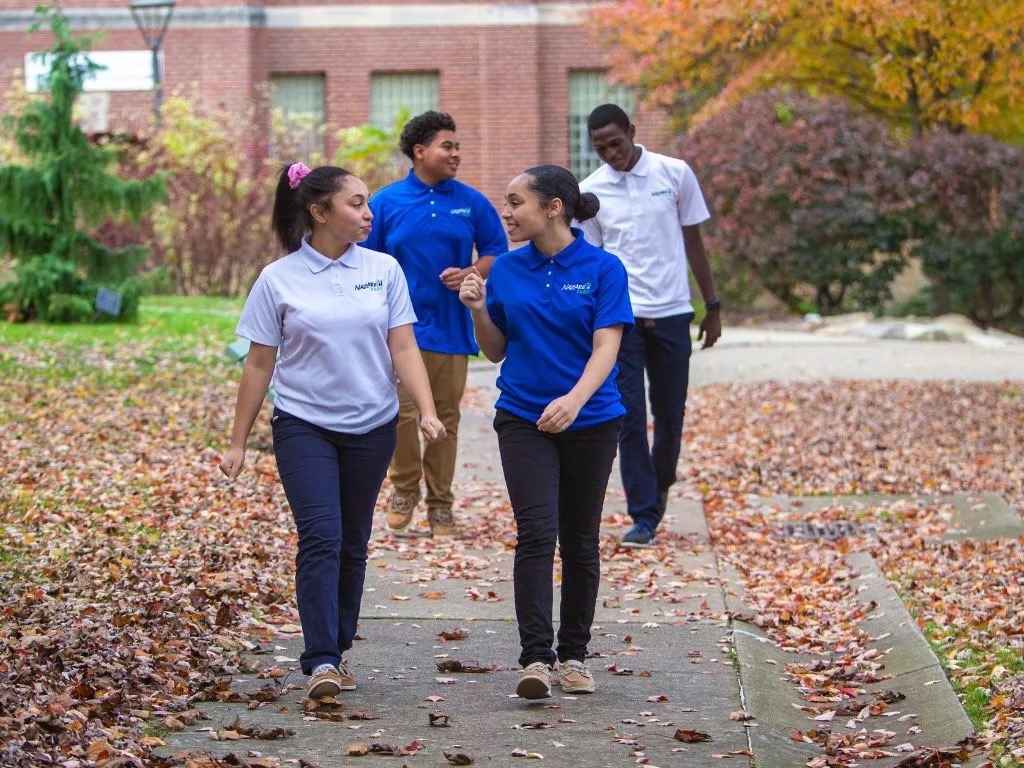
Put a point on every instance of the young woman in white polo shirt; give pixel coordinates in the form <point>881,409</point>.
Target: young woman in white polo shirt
<point>554,311</point>
<point>331,324</point>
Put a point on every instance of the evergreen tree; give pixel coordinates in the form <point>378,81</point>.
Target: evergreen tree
<point>63,189</point>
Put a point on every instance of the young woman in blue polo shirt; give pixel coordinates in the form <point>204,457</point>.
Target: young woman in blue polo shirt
<point>554,311</point>
<point>331,324</point>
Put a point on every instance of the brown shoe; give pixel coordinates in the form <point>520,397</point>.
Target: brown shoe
<point>328,680</point>
<point>534,681</point>
<point>442,523</point>
<point>575,677</point>
<point>400,510</point>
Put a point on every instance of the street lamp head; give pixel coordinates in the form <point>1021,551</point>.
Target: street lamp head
<point>152,18</point>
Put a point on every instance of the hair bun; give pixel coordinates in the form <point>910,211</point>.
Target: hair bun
<point>588,207</point>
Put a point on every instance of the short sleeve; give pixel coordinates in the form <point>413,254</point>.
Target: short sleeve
<point>399,302</point>
<point>261,320</point>
<point>495,308</point>
<point>489,238</point>
<point>692,207</point>
<point>613,305</point>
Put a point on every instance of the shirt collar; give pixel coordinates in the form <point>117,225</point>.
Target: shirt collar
<point>566,257</point>
<point>317,262</point>
<point>641,168</point>
<point>444,186</point>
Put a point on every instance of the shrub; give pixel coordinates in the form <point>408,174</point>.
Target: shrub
<point>809,197</point>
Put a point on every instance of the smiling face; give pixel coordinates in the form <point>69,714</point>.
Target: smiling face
<point>614,145</point>
<point>347,217</point>
<point>524,214</point>
<point>438,160</point>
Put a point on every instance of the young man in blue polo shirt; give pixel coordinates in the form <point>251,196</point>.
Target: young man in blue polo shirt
<point>437,228</point>
<point>651,211</point>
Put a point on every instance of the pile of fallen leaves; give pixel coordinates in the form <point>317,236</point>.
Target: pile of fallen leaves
<point>908,438</point>
<point>134,577</point>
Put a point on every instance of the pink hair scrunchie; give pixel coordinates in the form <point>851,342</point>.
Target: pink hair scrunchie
<point>296,173</point>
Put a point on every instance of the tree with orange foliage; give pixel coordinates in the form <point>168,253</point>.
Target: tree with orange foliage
<point>917,63</point>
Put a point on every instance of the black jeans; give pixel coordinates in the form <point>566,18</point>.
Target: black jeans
<point>556,483</point>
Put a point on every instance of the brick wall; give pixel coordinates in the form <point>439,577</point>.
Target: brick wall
<point>506,86</point>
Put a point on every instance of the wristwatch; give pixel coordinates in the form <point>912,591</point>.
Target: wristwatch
<point>716,304</point>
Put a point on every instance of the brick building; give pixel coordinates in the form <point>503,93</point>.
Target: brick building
<point>519,77</point>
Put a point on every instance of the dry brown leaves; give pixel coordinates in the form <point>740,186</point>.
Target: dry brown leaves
<point>842,438</point>
<point>134,579</point>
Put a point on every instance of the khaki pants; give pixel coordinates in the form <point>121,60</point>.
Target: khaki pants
<point>435,462</point>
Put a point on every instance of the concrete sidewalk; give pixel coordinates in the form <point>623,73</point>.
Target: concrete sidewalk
<point>668,662</point>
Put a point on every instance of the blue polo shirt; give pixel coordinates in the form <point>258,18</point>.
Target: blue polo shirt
<point>428,229</point>
<point>548,310</point>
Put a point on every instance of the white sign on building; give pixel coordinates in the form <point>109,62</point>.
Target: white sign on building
<point>121,71</point>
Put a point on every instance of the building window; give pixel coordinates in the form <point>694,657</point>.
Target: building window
<point>589,89</point>
<point>391,93</point>
<point>298,103</point>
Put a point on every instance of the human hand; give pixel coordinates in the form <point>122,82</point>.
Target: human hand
<point>472,292</point>
<point>432,428</point>
<point>559,414</point>
<point>232,461</point>
<point>710,329</point>
<point>452,277</point>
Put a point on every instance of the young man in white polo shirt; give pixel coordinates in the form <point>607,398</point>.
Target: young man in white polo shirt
<point>651,211</point>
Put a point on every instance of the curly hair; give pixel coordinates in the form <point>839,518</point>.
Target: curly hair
<point>422,129</point>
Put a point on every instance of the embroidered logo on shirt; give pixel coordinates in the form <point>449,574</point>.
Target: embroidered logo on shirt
<point>581,288</point>
<point>662,193</point>
<point>467,212</point>
<point>373,285</point>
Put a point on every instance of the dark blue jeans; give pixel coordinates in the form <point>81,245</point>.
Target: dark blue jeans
<point>331,480</point>
<point>556,484</point>
<point>662,349</point>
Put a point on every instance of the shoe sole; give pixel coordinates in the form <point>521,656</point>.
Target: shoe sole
<point>577,690</point>
<point>636,544</point>
<point>326,688</point>
<point>533,688</point>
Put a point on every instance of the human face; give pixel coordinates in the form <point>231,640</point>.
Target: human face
<point>349,216</point>
<point>524,215</point>
<point>615,146</point>
<point>438,160</point>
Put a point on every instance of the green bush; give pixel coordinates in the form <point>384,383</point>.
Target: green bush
<point>68,308</point>
<point>27,297</point>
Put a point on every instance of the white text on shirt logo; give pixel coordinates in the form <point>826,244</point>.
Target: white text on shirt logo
<point>467,212</point>
<point>577,287</point>
<point>373,285</point>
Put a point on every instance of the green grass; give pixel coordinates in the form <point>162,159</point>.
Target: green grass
<point>162,319</point>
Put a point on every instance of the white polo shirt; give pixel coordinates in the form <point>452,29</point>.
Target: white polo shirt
<point>330,319</point>
<point>642,214</point>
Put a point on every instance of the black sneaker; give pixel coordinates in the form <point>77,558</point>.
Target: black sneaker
<point>638,536</point>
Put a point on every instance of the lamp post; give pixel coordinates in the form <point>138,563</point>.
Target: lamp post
<point>152,18</point>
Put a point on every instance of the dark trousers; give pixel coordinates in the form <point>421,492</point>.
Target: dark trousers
<point>556,484</point>
<point>662,349</point>
<point>331,480</point>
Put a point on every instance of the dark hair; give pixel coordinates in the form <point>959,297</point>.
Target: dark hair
<point>549,182</point>
<point>422,129</point>
<point>291,219</point>
<point>608,114</point>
